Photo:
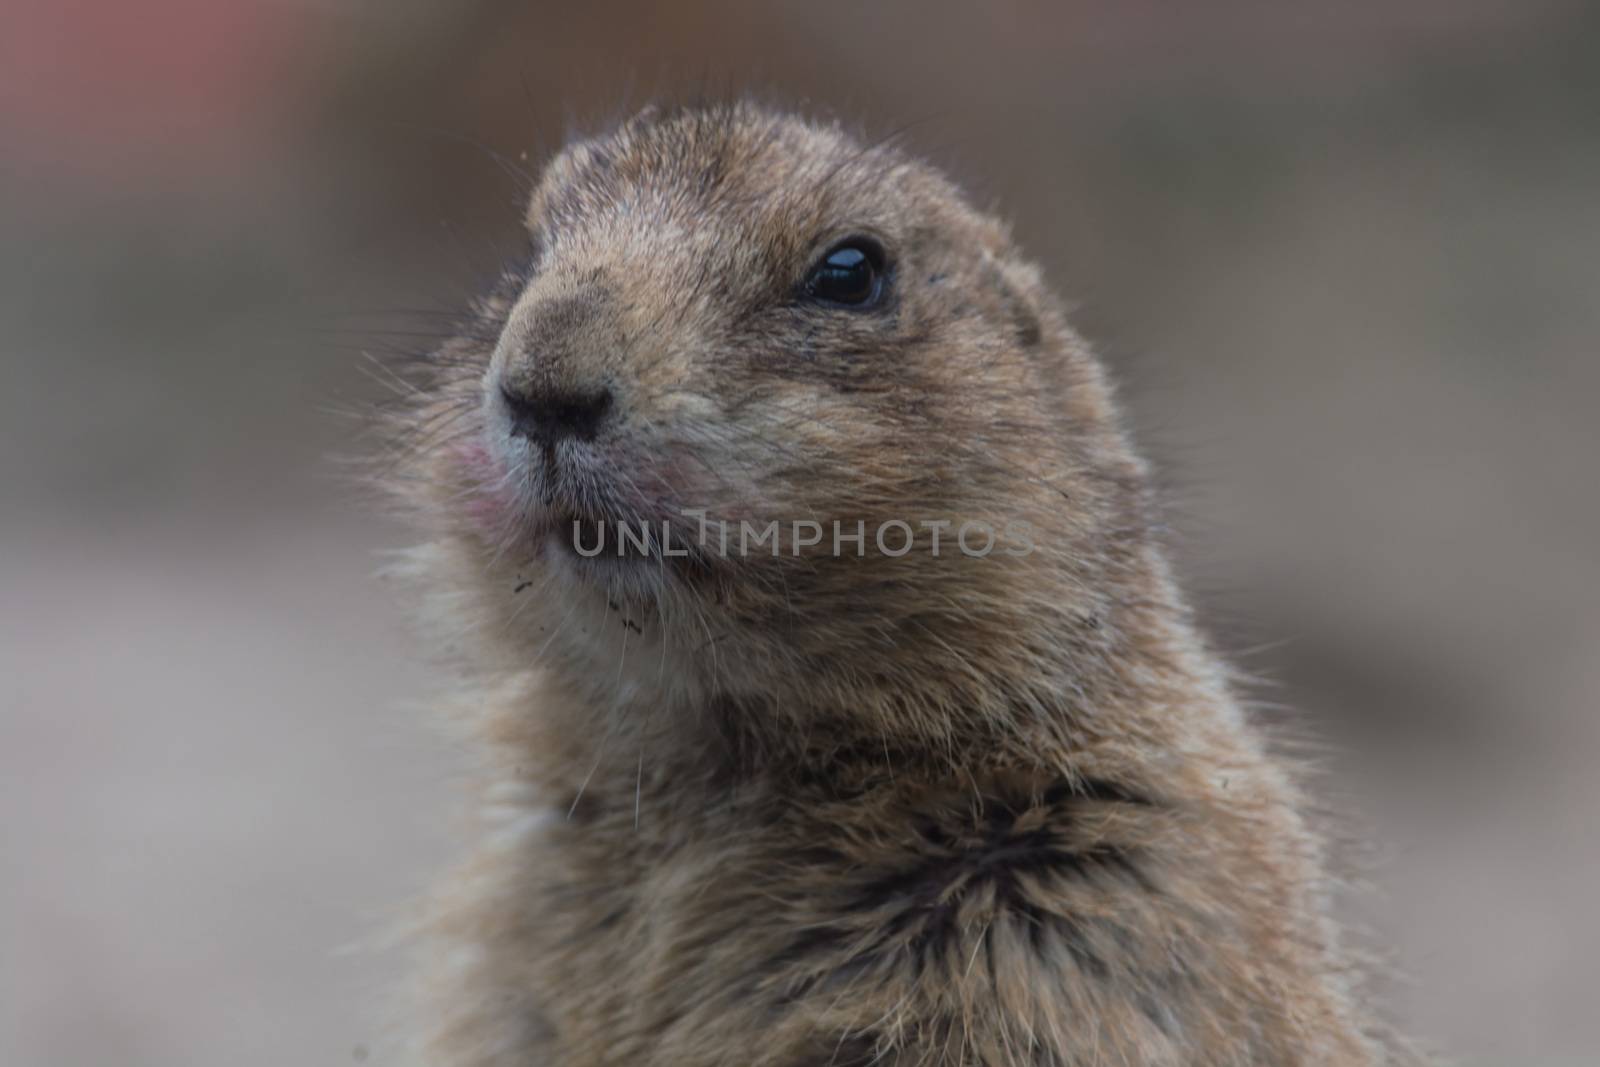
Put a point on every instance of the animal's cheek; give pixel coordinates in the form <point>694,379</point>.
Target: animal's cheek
<point>664,366</point>
<point>490,501</point>
<point>666,478</point>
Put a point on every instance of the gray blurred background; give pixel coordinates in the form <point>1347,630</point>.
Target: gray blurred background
<point>1342,257</point>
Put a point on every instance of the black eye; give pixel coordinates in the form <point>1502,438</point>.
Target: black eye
<point>851,274</point>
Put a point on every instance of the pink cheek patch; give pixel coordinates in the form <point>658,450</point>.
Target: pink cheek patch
<point>473,457</point>
<point>491,501</point>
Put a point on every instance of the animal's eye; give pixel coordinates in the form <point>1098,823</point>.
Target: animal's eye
<point>850,274</point>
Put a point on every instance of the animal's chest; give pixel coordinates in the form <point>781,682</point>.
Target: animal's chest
<point>788,932</point>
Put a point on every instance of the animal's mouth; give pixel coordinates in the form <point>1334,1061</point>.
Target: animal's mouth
<point>615,545</point>
<point>582,535</point>
<point>609,537</point>
<point>575,507</point>
<point>566,528</point>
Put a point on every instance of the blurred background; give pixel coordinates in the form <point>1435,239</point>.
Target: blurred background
<point>1342,257</point>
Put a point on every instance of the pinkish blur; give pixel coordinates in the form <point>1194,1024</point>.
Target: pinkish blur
<point>160,86</point>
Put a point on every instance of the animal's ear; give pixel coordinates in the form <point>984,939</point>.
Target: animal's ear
<point>646,115</point>
<point>1020,298</point>
<point>563,173</point>
<point>1019,294</point>
<point>539,202</point>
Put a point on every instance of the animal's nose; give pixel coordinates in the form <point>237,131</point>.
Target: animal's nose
<point>547,416</point>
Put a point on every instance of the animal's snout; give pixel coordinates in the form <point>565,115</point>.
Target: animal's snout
<point>546,416</point>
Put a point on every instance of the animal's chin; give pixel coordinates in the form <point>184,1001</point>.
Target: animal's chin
<point>563,530</point>
<point>614,547</point>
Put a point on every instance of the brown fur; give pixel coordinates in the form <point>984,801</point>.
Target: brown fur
<point>815,810</point>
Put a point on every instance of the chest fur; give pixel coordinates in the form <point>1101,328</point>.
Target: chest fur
<point>888,926</point>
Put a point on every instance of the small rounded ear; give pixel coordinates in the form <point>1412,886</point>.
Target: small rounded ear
<point>643,117</point>
<point>539,202</point>
<point>581,155</point>
<point>1020,300</point>
<point>558,174</point>
<point>1020,296</point>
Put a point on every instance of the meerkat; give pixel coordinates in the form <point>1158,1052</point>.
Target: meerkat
<point>854,795</point>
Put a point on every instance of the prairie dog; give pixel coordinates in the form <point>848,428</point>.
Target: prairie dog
<point>856,793</point>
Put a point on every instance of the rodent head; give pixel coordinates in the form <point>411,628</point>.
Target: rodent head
<point>733,318</point>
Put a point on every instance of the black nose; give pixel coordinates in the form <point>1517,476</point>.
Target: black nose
<point>547,417</point>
